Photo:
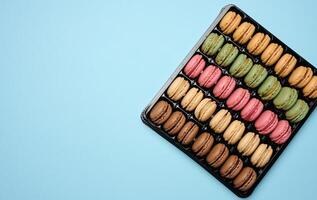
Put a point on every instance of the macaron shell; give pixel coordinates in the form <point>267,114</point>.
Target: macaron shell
<point>238,99</point>
<point>224,87</point>
<point>226,55</point>
<point>256,76</point>
<point>192,98</point>
<point>234,132</point>
<point>249,142</point>
<point>160,112</point>
<point>241,66</point>
<point>194,67</point>
<point>209,77</point>
<point>174,123</point>
<point>243,33</point>
<point>271,54</point>
<point>285,65</point>
<point>269,88</point>
<point>203,144</point>
<point>252,110</point>
<point>245,179</point>
<point>205,109</point>
<point>286,98</point>
<point>298,112</point>
<point>187,134</point>
<point>281,133</point>
<point>178,88</point>
<point>212,44</point>
<point>266,122</point>
<point>300,77</point>
<point>262,155</point>
<point>218,155</point>
<point>258,43</point>
<point>231,168</point>
<point>310,90</point>
<point>230,22</point>
<point>220,121</point>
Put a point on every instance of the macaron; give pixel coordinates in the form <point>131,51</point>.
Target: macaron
<point>271,54</point>
<point>281,133</point>
<point>188,133</point>
<point>286,98</point>
<point>224,87</point>
<point>192,98</point>
<point>174,123</point>
<point>258,43</point>
<point>226,55</point>
<point>195,66</point>
<point>298,112</point>
<point>209,77</point>
<point>266,122</point>
<point>245,179</point>
<point>178,88</point>
<point>230,22</point>
<point>285,65</point>
<point>269,89</point>
<point>218,155</point>
<point>243,33</point>
<point>256,76</point>
<point>231,168</point>
<point>249,142</point>
<point>252,110</point>
<point>160,112</point>
<point>203,144</point>
<point>220,121</point>
<point>241,66</point>
<point>234,132</point>
<point>205,109</point>
<point>300,77</point>
<point>238,99</point>
<point>212,44</point>
<point>262,155</point>
<point>310,90</point>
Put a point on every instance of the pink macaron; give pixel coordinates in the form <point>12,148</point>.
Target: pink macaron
<point>266,122</point>
<point>238,99</point>
<point>224,87</point>
<point>282,132</point>
<point>252,110</point>
<point>194,66</point>
<point>209,77</point>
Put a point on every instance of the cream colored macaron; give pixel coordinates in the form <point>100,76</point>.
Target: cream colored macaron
<point>234,132</point>
<point>205,109</point>
<point>178,88</point>
<point>262,155</point>
<point>248,143</point>
<point>220,121</point>
<point>192,98</point>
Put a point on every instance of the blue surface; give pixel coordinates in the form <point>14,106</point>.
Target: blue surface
<point>75,76</point>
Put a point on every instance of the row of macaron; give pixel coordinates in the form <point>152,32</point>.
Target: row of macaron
<point>227,54</point>
<point>203,145</point>
<point>285,98</point>
<point>266,122</point>
<point>258,44</point>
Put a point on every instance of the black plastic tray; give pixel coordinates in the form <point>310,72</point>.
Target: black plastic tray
<point>277,149</point>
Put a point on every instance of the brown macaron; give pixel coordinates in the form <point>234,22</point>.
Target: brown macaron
<point>231,167</point>
<point>160,112</point>
<point>271,54</point>
<point>230,22</point>
<point>187,134</point>
<point>174,123</point>
<point>218,155</point>
<point>203,144</point>
<point>310,90</point>
<point>300,77</point>
<point>243,33</point>
<point>245,180</point>
<point>285,65</point>
<point>258,43</point>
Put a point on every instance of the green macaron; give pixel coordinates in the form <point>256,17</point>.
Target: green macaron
<point>212,44</point>
<point>256,76</point>
<point>226,55</point>
<point>286,98</point>
<point>270,87</point>
<point>241,66</point>
<point>297,112</point>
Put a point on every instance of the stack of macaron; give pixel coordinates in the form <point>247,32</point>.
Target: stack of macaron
<point>203,145</point>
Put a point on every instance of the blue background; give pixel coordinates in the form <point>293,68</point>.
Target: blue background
<point>75,76</point>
